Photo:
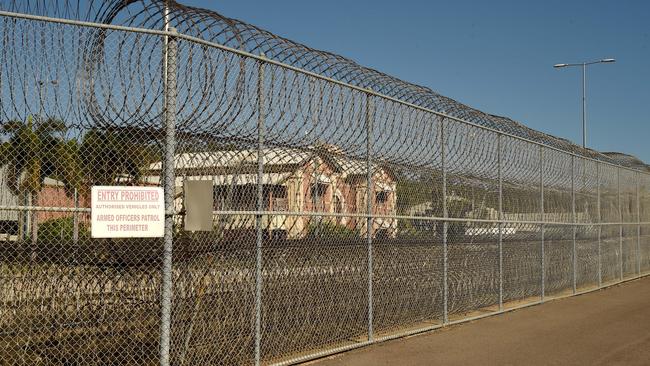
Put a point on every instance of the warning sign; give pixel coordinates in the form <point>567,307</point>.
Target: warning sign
<point>127,212</point>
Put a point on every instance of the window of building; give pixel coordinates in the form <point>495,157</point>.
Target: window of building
<point>236,198</point>
<point>317,194</point>
<point>278,197</point>
<point>338,208</point>
<point>8,227</point>
<point>244,198</point>
<point>381,197</point>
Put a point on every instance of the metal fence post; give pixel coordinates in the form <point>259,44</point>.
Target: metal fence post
<point>500,165</point>
<point>541,188</point>
<point>258,216</point>
<point>26,218</point>
<point>369,201</point>
<point>600,227</point>
<point>638,226</point>
<point>573,218</point>
<point>620,226</point>
<point>75,217</point>
<point>445,215</point>
<point>169,191</point>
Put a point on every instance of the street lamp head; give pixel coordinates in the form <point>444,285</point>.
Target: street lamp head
<point>608,60</point>
<point>43,82</point>
<point>557,66</point>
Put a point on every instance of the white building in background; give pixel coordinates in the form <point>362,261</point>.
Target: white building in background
<point>8,218</point>
<point>296,181</point>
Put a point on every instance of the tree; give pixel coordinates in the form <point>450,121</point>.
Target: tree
<point>35,150</point>
<point>110,157</point>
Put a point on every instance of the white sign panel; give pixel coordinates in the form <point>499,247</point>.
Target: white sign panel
<point>127,212</point>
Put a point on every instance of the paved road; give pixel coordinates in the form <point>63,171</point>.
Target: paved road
<point>607,327</point>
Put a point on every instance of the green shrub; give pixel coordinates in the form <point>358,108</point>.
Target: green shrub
<point>330,230</point>
<point>61,229</point>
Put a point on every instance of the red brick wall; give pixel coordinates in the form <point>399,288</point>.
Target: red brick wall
<point>55,196</point>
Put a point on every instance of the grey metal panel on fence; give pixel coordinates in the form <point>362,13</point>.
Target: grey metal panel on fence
<point>199,203</point>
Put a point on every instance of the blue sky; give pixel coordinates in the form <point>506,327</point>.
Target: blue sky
<point>496,56</point>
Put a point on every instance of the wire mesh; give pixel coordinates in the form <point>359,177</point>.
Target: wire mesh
<point>347,206</point>
<point>558,267</point>
<point>68,298</point>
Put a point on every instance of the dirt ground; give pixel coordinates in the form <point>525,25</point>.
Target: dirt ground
<point>606,327</point>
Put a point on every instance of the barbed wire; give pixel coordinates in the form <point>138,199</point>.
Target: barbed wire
<point>213,27</point>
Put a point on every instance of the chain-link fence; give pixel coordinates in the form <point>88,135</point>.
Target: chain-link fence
<point>341,216</point>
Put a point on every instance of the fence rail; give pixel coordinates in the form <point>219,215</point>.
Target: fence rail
<point>343,216</point>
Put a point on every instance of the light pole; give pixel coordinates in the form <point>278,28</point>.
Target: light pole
<point>30,224</point>
<point>41,88</point>
<point>584,129</point>
<point>584,91</point>
<point>75,216</point>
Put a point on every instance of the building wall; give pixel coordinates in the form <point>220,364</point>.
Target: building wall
<point>55,196</point>
<point>49,196</point>
<point>351,192</point>
<point>356,195</point>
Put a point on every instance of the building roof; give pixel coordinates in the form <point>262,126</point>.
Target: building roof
<point>237,158</point>
<point>206,162</point>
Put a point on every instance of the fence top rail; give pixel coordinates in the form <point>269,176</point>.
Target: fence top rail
<point>422,218</point>
<point>261,58</point>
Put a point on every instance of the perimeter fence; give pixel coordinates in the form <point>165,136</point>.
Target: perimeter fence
<point>341,216</point>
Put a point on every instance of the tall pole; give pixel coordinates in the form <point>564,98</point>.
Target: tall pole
<point>370,196</point>
<point>259,240</point>
<point>620,220</point>
<point>542,218</point>
<point>33,193</point>
<point>584,105</point>
<point>638,226</point>
<point>600,227</point>
<point>574,220</point>
<point>445,227</point>
<point>29,217</point>
<point>584,91</point>
<point>166,40</point>
<point>40,100</point>
<point>500,174</point>
<point>169,116</point>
